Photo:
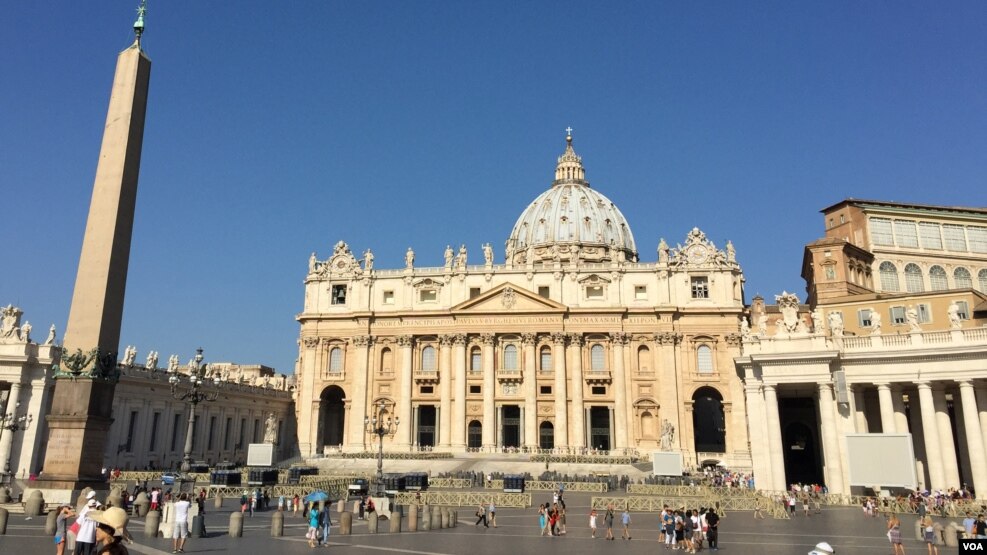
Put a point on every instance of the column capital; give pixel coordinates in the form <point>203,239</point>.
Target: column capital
<point>769,387</point>
<point>965,382</point>
<point>488,338</point>
<point>310,342</point>
<point>882,386</point>
<point>529,338</point>
<point>619,338</point>
<point>558,338</point>
<point>922,384</point>
<point>404,340</point>
<point>363,340</point>
<point>445,340</point>
<point>459,338</point>
<point>668,338</point>
<point>576,339</point>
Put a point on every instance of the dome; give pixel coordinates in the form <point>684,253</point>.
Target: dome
<point>570,220</point>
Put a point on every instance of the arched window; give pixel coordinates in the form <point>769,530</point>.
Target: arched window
<point>889,276</point>
<point>336,360</point>
<point>962,279</point>
<point>982,278</point>
<point>386,361</point>
<point>937,278</point>
<point>474,435</point>
<point>704,359</point>
<point>643,359</point>
<point>428,359</point>
<point>708,422</point>
<point>913,279</point>
<point>545,359</point>
<point>596,361</point>
<point>476,360</point>
<point>510,357</point>
<point>546,435</point>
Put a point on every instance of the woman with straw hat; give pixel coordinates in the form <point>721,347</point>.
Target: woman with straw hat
<point>111,527</point>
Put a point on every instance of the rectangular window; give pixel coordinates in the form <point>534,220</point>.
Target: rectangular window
<point>546,360</point>
<point>964,312</point>
<point>243,430</point>
<point>954,236</point>
<point>544,290</point>
<point>212,433</point>
<point>174,432</point>
<point>427,389</point>
<point>906,233</point>
<point>924,314</point>
<point>842,218</point>
<point>474,292</point>
<point>427,295</point>
<point>388,297</point>
<point>640,292</point>
<point>130,431</point>
<point>594,291</point>
<point>338,294</point>
<point>545,390</point>
<point>476,361</point>
<point>863,318</point>
<point>226,434</point>
<point>930,236</point>
<point>256,430</point>
<point>880,232</point>
<point>700,287</point>
<point>978,239</point>
<point>599,390</point>
<point>153,446</point>
<point>897,315</point>
<point>475,389</point>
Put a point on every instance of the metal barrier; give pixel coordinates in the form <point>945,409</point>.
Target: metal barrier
<point>548,485</point>
<point>464,499</point>
<point>450,483</point>
<point>722,504</point>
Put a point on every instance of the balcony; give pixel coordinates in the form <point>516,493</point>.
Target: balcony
<point>426,377</point>
<point>334,376</point>
<point>705,376</point>
<point>509,376</point>
<point>598,377</point>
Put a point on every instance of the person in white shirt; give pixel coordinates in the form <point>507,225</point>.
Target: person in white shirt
<point>85,539</point>
<point>181,524</point>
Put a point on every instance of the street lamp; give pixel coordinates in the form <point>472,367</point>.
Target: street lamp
<point>13,423</point>
<point>377,425</point>
<point>193,396</point>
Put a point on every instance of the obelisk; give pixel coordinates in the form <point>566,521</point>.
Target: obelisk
<point>86,375</point>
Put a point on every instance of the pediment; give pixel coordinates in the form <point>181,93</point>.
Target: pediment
<point>508,297</point>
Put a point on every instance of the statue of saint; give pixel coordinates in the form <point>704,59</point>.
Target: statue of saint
<point>26,332</point>
<point>368,260</point>
<point>731,253</point>
<point>152,361</point>
<point>875,322</point>
<point>663,251</point>
<point>836,324</point>
<point>953,313</point>
<point>409,259</point>
<point>667,435</point>
<point>311,263</point>
<point>51,336</point>
<point>488,254</point>
<point>911,318</point>
<point>448,256</point>
<point>271,428</point>
<point>461,258</point>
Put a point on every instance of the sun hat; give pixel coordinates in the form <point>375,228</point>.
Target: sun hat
<point>114,517</point>
<point>823,548</point>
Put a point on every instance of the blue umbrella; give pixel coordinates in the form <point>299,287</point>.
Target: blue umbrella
<point>317,496</point>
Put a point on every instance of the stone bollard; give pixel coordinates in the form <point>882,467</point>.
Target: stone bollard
<point>937,534</point>
<point>3,521</point>
<point>951,535</point>
<point>51,525</point>
<point>356,507</point>
<point>218,502</point>
<point>426,518</point>
<point>372,523</point>
<point>455,518</point>
<point>447,518</point>
<point>277,525</point>
<point>395,520</point>
<point>236,525</point>
<point>151,524</point>
<point>345,524</point>
<point>341,506</point>
<point>437,518</point>
<point>142,504</point>
<point>413,518</point>
<point>35,504</point>
<point>4,495</point>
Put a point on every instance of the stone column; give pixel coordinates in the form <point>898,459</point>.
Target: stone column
<point>756,418</point>
<point>489,387</point>
<point>900,416</point>
<point>578,437</point>
<point>7,439</point>
<point>982,408</point>
<point>947,450</point>
<point>404,432</point>
<point>307,425</point>
<point>459,416</point>
<point>775,445</point>
<point>360,374</point>
<point>974,437</point>
<point>887,408</point>
<point>831,443</point>
<point>528,340</point>
<point>561,397</point>
<point>445,389</point>
<point>619,390</point>
<point>929,432</point>
<point>856,392</point>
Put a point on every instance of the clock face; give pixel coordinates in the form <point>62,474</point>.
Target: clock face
<point>697,254</point>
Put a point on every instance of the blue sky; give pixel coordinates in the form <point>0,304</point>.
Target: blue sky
<point>278,128</point>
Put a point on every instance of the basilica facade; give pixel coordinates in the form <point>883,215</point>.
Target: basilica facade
<point>573,344</point>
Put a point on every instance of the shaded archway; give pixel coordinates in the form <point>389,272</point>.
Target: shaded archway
<point>332,412</point>
<point>474,435</point>
<point>802,460</point>
<point>708,422</point>
<point>546,435</point>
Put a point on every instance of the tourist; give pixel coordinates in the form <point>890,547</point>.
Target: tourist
<point>542,519</point>
<point>688,531</point>
<point>180,533</point>
<point>757,508</point>
<point>668,525</point>
<point>492,512</point>
<point>313,525</point>
<point>698,523</point>
<point>325,522</point>
<point>980,527</point>
<point>679,529</point>
<point>823,548</point>
<point>296,503</point>
<point>64,512</point>
<point>712,535</point>
<point>85,538</point>
<point>553,520</point>
<point>894,535</point>
<point>481,516</point>
<point>155,496</point>
<point>625,520</point>
<point>363,506</point>
<point>929,533</point>
<point>110,524</point>
<point>805,504</point>
<point>968,525</point>
<point>561,518</point>
<point>608,521</point>
<point>592,524</point>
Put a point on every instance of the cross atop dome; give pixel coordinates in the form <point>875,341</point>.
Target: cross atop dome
<point>570,165</point>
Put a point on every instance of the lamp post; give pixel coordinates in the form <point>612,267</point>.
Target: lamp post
<point>13,423</point>
<point>377,425</point>
<point>192,395</point>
